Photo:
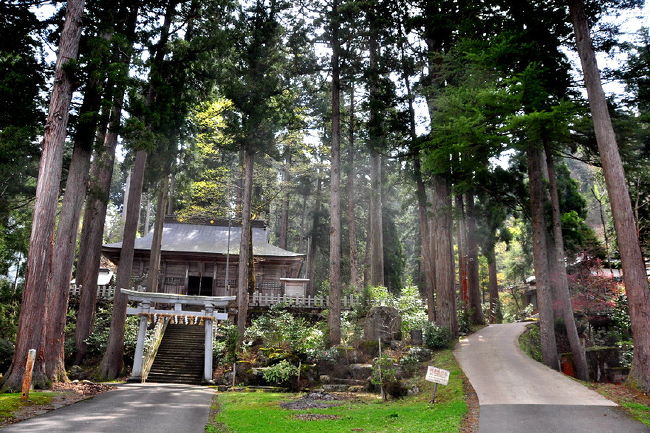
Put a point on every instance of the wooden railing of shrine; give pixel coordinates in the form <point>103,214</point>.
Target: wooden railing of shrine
<point>313,302</point>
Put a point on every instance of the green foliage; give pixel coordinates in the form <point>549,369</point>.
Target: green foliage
<point>436,337</point>
<point>530,342</point>
<point>384,374</point>
<point>409,304</point>
<point>226,343</point>
<point>280,373</point>
<point>410,361</point>
<point>464,320</point>
<point>97,341</point>
<point>279,329</point>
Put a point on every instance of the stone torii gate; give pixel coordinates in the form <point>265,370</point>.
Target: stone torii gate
<point>146,309</point>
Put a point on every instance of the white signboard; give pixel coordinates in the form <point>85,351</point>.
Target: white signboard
<point>437,375</point>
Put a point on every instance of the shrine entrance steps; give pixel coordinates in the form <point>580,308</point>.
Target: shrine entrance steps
<point>180,356</point>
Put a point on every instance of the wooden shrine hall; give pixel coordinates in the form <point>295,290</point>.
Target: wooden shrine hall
<point>194,256</point>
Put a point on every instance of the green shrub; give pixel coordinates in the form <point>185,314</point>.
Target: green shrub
<point>420,353</point>
<point>409,304</point>
<point>384,374</point>
<point>530,342</point>
<point>280,329</point>
<point>409,364</point>
<point>9,309</point>
<point>224,348</point>
<point>6,354</point>
<point>436,337</point>
<point>280,373</point>
<point>464,320</point>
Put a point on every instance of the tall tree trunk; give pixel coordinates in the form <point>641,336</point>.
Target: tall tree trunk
<point>112,362</point>
<point>313,244</point>
<point>156,242</point>
<point>562,288</point>
<point>443,254</point>
<point>493,285</point>
<point>463,283</point>
<point>376,243</point>
<point>101,174</point>
<point>334,317</point>
<point>31,322</point>
<point>473,281</point>
<point>540,258</point>
<point>92,231</point>
<point>351,201</point>
<point>284,204</point>
<point>425,240</point>
<point>375,139</point>
<point>634,273</point>
<point>66,237</point>
<point>244,245</point>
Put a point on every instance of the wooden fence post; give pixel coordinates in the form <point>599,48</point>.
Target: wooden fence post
<point>27,376</point>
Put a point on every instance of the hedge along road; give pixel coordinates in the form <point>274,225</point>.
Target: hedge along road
<point>517,394</point>
<point>132,408</point>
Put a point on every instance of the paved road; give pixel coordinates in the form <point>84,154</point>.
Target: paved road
<point>132,408</point>
<point>519,395</point>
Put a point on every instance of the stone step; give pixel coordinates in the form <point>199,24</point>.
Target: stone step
<point>180,356</point>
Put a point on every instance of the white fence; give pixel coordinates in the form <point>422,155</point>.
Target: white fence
<point>103,292</point>
<point>265,300</point>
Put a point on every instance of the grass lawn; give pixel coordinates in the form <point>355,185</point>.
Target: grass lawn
<point>257,412</point>
<point>11,402</point>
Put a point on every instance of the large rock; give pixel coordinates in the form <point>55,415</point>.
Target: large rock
<point>384,322</point>
<point>360,371</point>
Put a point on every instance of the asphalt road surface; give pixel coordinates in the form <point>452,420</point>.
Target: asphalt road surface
<point>132,408</point>
<point>519,395</point>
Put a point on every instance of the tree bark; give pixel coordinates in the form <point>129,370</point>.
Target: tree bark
<point>312,246</point>
<point>443,254</point>
<point>101,174</point>
<point>66,237</point>
<point>375,143</point>
<point>463,284</point>
<point>493,285</point>
<point>31,322</point>
<point>92,231</point>
<point>540,258</point>
<point>376,244</point>
<point>334,317</point>
<point>351,201</point>
<point>284,205</point>
<point>472,262</point>
<point>112,362</point>
<point>562,288</point>
<point>425,240</point>
<point>244,245</point>
<point>153,279</point>
<point>634,273</point>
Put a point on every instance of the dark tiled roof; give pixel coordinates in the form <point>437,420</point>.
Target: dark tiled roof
<point>208,239</point>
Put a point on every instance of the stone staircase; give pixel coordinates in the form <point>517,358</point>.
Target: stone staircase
<point>180,356</point>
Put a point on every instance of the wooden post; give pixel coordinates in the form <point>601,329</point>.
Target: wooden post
<point>207,362</point>
<point>27,377</point>
<point>435,391</point>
